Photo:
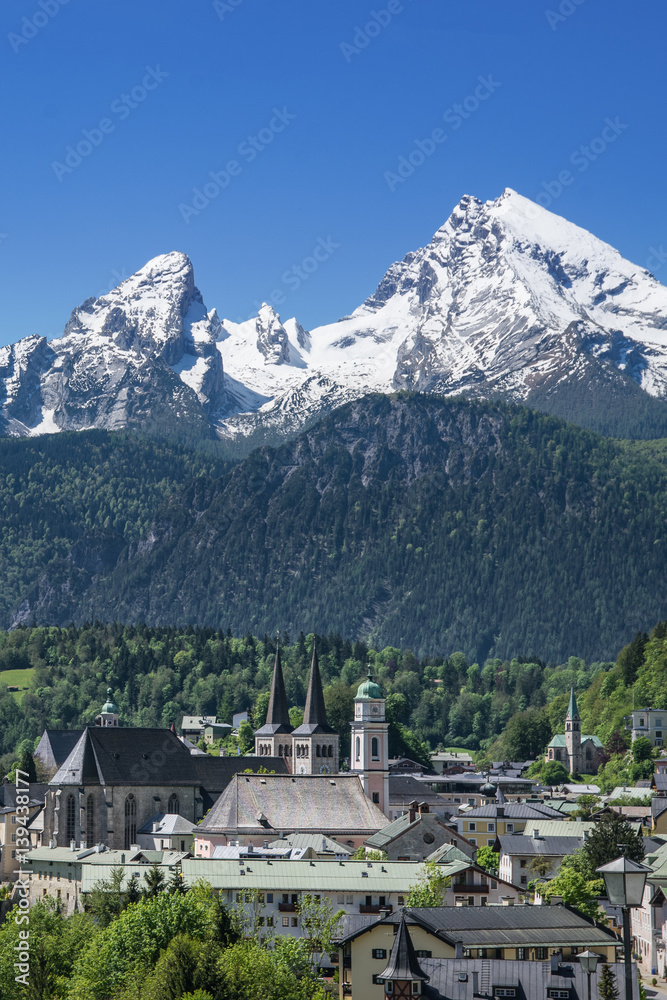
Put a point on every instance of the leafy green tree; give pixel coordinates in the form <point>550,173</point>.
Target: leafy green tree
<point>631,658</point>
<point>319,922</point>
<point>176,883</point>
<point>246,738</point>
<point>368,854</point>
<point>617,743</point>
<point>430,888</point>
<point>577,891</point>
<point>488,859</point>
<point>609,838</point>
<point>642,749</point>
<point>553,773</point>
<point>107,900</point>
<point>607,988</point>
<point>586,806</point>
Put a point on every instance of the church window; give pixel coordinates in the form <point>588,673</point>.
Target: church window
<point>331,750</point>
<point>280,750</point>
<point>70,818</point>
<point>318,752</point>
<point>375,753</point>
<point>90,821</point>
<point>358,748</point>
<point>130,821</point>
<point>173,804</point>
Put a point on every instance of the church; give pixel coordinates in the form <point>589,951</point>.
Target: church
<point>314,747</point>
<point>578,753</point>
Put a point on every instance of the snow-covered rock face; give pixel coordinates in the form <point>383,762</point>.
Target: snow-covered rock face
<point>150,342</point>
<point>506,299</point>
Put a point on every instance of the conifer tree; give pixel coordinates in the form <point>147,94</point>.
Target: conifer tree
<point>607,988</point>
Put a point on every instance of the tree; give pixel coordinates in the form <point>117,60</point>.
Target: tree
<point>246,737</point>
<point>319,922</point>
<point>107,900</point>
<point>609,838</point>
<point>586,806</point>
<point>607,988</point>
<point>577,891</point>
<point>617,743</point>
<point>488,859</point>
<point>540,866</point>
<point>368,854</point>
<point>553,773</point>
<point>430,888</point>
<point>642,749</point>
<point>176,883</point>
<point>631,658</point>
<point>154,880</point>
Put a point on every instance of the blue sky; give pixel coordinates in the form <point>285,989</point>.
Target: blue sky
<point>302,110</point>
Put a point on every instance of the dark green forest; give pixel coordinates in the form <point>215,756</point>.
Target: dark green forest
<point>411,521</point>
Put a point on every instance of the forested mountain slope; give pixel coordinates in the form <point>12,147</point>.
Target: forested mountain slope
<point>415,521</point>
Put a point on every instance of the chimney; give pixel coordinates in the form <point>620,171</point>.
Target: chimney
<point>536,834</point>
<point>423,807</point>
<point>555,962</point>
<point>507,900</point>
<point>459,949</point>
<point>555,900</point>
<point>412,810</point>
<point>72,845</point>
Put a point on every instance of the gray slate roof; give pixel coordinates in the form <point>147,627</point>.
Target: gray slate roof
<point>167,824</point>
<point>277,716</point>
<point>401,825</point>
<point>500,926</point>
<point>256,804</point>
<point>56,745</point>
<point>548,846</point>
<point>315,714</point>
<point>514,810</point>
<point>531,978</point>
<point>405,788</point>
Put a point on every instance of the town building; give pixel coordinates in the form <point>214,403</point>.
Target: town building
<point>406,788</point>
<point>68,875</point>
<point>11,821</point>
<point>466,788</point>
<point>489,935</point>
<point>167,832</point>
<point>525,858</point>
<point>648,722</point>
<point>579,754</point>
<point>482,825</point>
<point>649,922</point>
<point>451,761</point>
<point>274,738</point>
<point>259,807</point>
<point>415,834</point>
<point>54,748</point>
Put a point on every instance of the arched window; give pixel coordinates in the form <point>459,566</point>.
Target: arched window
<point>70,816</point>
<point>280,750</point>
<point>358,748</point>
<point>130,821</point>
<point>331,751</point>
<point>374,748</point>
<point>90,821</point>
<point>318,751</point>
<point>173,804</point>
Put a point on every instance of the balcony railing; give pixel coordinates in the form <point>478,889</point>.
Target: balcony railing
<point>472,887</point>
<point>287,907</point>
<point>375,908</point>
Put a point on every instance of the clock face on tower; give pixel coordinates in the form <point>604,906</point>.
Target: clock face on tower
<point>325,769</point>
<point>375,709</point>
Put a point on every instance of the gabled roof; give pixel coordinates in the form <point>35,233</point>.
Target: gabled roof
<point>167,824</point>
<point>315,714</point>
<point>453,977</point>
<point>116,756</point>
<point>319,843</point>
<point>392,831</point>
<point>277,716</point>
<point>660,781</point>
<point>569,828</point>
<point>403,964</point>
<point>56,745</point>
<point>658,806</point>
<point>404,788</point>
<point>303,803</point>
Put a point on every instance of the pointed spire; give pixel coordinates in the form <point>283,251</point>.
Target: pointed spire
<point>403,963</point>
<point>315,713</point>
<point>572,710</point>
<point>277,716</point>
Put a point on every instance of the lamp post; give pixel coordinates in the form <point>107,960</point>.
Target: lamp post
<point>625,880</point>
<point>588,961</point>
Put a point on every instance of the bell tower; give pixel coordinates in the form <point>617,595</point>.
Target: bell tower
<point>274,738</point>
<point>369,755</point>
<point>573,735</point>
<point>109,715</point>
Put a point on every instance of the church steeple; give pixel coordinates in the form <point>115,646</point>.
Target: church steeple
<point>572,710</point>
<point>315,738</point>
<point>273,739</point>
<point>573,736</point>
<point>278,713</point>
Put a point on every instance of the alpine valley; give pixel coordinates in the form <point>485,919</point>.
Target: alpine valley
<point>507,301</point>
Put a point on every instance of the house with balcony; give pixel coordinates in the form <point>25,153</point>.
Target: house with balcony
<point>482,825</point>
<point>524,858</point>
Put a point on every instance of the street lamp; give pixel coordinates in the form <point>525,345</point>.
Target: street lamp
<point>588,961</point>
<point>625,880</point>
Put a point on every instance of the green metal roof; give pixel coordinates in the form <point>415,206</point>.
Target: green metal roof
<point>311,876</point>
<point>559,740</point>
<point>572,710</point>
<point>368,688</point>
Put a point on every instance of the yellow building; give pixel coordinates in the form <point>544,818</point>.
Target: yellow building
<point>482,825</point>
